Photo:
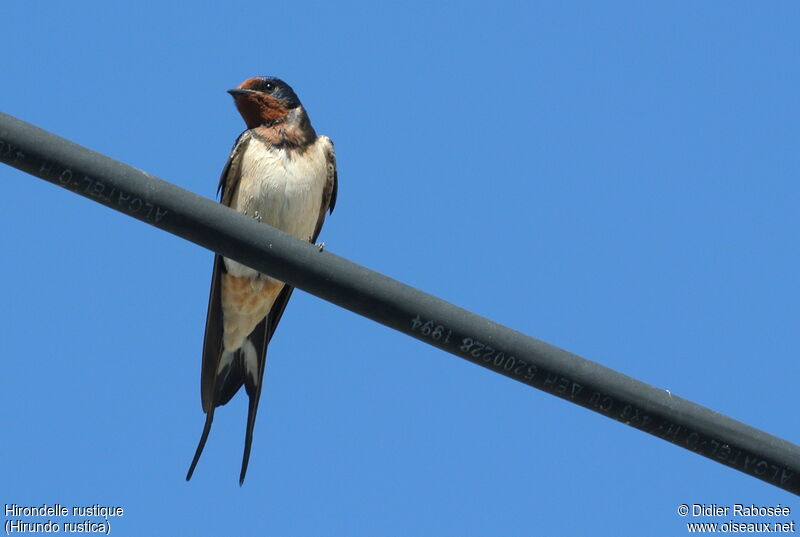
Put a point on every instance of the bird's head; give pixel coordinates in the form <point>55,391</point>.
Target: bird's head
<point>264,100</point>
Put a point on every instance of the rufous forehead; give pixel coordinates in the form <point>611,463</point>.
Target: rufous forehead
<point>250,83</point>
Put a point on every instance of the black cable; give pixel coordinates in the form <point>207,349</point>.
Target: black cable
<point>399,306</point>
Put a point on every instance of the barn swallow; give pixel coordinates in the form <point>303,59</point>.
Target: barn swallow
<point>282,174</point>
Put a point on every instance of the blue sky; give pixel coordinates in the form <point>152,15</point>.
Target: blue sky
<point>616,178</point>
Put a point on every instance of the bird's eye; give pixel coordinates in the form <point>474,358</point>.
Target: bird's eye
<point>269,86</point>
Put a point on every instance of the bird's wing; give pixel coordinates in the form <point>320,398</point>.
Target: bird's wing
<point>331,184</point>
<point>263,332</point>
<point>217,389</point>
<point>227,180</point>
<point>213,393</point>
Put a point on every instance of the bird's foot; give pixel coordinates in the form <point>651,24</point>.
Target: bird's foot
<point>320,245</point>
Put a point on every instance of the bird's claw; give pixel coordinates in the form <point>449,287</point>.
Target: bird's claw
<point>320,245</point>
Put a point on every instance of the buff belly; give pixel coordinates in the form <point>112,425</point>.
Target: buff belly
<point>280,188</point>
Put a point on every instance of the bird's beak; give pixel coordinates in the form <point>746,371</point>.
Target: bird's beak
<point>236,92</point>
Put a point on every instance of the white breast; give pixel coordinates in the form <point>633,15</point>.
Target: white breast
<point>283,188</point>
